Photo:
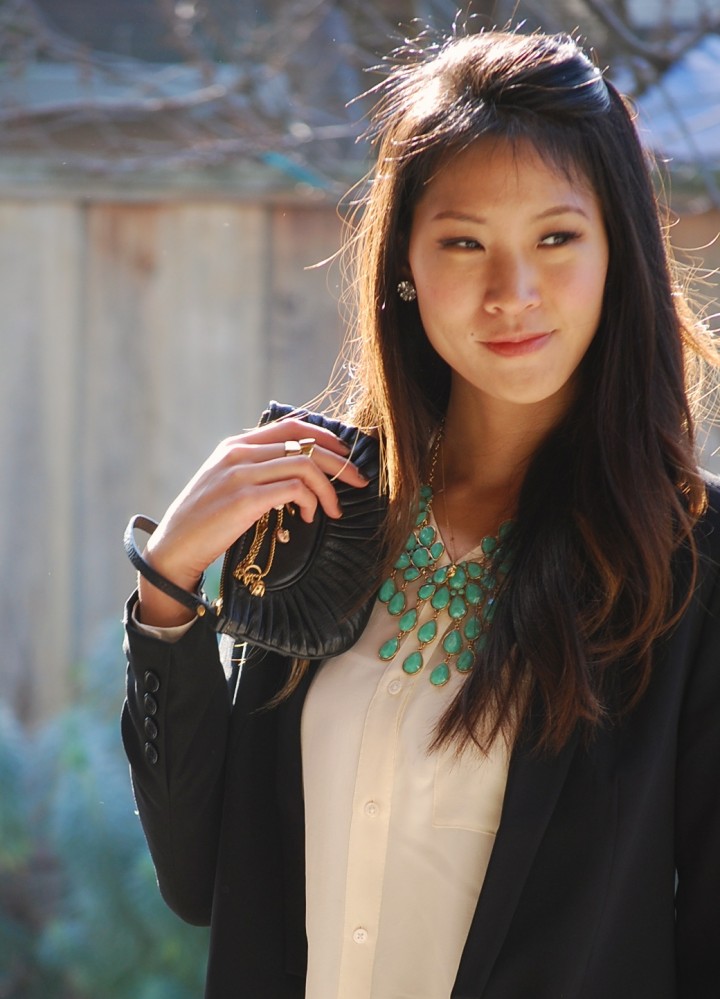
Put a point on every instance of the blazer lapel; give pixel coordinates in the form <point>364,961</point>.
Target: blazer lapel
<point>289,791</point>
<point>534,785</point>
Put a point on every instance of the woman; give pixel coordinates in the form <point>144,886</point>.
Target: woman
<point>493,792</point>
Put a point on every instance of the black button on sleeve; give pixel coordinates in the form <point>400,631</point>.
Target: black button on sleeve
<point>151,705</point>
<point>151,729</point>
<point>152,682</point>
<point>151,753</point>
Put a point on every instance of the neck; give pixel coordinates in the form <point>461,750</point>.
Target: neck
<point>485,450</point>
<point>487,444</point>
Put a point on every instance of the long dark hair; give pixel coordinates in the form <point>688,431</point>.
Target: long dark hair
<point>614,489</point>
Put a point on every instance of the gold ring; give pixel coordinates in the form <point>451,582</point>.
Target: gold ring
<point>304,446</point>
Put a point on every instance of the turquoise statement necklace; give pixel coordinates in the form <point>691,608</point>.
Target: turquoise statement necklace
<point>461,595</point>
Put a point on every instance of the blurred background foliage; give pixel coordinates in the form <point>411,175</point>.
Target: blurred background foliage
<point>80,913</point>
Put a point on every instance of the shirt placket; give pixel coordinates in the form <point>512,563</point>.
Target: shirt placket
<point>371,816</point>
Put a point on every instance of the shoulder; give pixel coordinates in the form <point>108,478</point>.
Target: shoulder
<point>702,573</point>
<point>712,484</point>
<point>708,527</point>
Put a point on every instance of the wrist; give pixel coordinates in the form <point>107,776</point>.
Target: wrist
<point>157,609</point>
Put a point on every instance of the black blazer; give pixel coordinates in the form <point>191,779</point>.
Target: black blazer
<point>580,898</point>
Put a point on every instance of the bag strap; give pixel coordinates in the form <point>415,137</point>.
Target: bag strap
<point>195,602</point>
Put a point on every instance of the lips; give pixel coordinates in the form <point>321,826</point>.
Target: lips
<point>517,344</point>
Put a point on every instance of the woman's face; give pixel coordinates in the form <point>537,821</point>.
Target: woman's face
<point>509,256</point>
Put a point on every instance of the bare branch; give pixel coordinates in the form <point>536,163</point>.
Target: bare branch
<point>134,107</point>
<point>661,57</point>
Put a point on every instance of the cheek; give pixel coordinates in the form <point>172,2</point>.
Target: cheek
<point>583,293</point>
<point>442,291</point>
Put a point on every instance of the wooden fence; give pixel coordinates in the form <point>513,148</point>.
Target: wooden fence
<point>135,336</point>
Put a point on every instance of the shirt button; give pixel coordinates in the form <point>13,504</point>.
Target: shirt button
<point>360,935</point>
<point>371,808</point>
<point>395,687</point>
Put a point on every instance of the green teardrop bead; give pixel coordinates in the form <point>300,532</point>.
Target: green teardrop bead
<point>488,611</point>
<point>453,642</point>
<point>389,649</point>
<point>436,550</point>
<point>440,575</point>
<point>427,632</point>
<point>488,545</point>
<point>426,591</point>
<point>386,590</point>
<point>408,621</point>
<point>427,536</point>
<point>473,594</point>
<point>441,598</point>
<point>396,604</point>
<point>426,492</point>
<point>403,562</point>
<point>440,675</point>
<point>472,629</point>
<point>457,608</point>
<point>420,519</point>
<point>411,543</point>
<point>465,661</point>
<point>481,642</point>
<point>411,573</point>
<point>413,663</point>
<point>475,570</point>
<point>458,579</point>
<point>421,558</point>
<point>505,529</point>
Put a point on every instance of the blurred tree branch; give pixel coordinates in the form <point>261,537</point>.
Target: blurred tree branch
<point>210,81</point>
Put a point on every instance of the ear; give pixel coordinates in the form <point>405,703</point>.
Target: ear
<point>405,273</point>
<point>403,264</point>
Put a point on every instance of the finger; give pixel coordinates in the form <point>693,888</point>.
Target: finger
<point>290,475</point>
<point>257,500</point>
<point>295,429</point>
<point>333,465</point>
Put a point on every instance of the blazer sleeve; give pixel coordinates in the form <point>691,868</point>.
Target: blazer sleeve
<point>175,725</point>
<point>698,802</point>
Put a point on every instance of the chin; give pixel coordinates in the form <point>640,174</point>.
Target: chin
<point>554,395</point>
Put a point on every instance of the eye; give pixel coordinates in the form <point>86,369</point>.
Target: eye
<point>461,243</point>
<point>559,238</point>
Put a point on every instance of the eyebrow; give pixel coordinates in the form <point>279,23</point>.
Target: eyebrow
<point>481,220</point>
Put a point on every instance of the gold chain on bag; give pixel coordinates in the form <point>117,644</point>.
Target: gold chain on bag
<point>248,572</point>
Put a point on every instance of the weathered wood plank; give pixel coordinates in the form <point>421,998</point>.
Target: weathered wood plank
<point>41,249</point>
<point>304,329</point>
<point>174,361</point>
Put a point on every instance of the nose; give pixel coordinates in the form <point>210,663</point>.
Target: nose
<point>511,285</point>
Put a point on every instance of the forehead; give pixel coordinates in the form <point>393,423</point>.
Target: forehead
<point>494,166</point>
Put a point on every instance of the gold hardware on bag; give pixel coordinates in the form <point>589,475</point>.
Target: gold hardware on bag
<point>248,572</point>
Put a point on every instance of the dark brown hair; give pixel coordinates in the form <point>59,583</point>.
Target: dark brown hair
<point>613,490</point>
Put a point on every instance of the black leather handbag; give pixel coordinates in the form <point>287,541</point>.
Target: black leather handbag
<point>302,589</point>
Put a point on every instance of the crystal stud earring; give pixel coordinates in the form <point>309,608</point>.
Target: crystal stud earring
<point>406,291</point>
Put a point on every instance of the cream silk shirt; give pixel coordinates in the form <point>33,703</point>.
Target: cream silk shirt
<point>398,839</point>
